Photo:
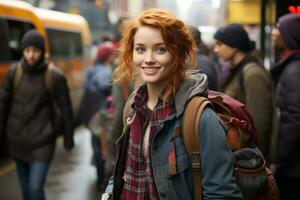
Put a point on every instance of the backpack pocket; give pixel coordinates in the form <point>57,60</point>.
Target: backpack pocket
<point>254,179</point>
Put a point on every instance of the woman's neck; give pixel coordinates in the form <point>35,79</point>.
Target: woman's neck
<point>153,95</point>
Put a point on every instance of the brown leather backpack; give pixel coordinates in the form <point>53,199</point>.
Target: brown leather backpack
<point>241,135</point>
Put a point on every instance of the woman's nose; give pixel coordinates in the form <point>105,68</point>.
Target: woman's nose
<point>149,59</point>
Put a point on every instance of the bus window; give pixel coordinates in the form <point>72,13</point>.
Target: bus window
<point>15,30</point>
<point>65,44</point>
<point>5,53</point>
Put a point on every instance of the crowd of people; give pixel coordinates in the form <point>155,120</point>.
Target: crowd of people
<point>146,68</point>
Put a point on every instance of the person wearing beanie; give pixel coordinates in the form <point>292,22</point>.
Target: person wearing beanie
<point>97,82</point>
<point>33,48</point>
<point>97,87</point>
<point>26,110</point>
<point>248,80</point>
<point>288,26</point>
<point>286,73</point>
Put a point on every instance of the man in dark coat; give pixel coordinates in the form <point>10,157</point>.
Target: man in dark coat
<point>286,76</point>
<point>248,80</point>
<point>26,115</point>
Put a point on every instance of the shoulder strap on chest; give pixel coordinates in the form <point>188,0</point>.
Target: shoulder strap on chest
<point>127,109</point>
<point>17,76</point>
<point>49,79</point>
<point>191,118</point>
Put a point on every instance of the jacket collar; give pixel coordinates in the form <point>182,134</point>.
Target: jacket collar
<point>287,57</point>
<point>195,84</point>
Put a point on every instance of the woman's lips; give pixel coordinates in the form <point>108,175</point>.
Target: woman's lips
<point>150,70</point>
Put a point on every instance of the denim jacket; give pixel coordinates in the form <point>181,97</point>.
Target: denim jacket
<point>217,165</point>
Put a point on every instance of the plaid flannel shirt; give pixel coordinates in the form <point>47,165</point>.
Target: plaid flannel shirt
<point>138,176</point>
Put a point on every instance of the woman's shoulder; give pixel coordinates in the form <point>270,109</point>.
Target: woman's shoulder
<point>210,123</point>
<point>210,117</point>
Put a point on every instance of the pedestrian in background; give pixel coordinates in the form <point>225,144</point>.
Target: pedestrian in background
<point>203,61</point>
<point>248,81</point>
<point>97,83</point>
<point>286,73</point>
<point>26,116</point>
<point>156,46</point>
<point>97,88</point>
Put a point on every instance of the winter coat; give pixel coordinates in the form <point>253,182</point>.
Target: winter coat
<point>220,185</point>
<point>26,113</point>
<point>286,75</point>
<point>252,85</point>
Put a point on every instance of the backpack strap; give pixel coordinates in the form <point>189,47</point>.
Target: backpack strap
<point>49,79</point>
<point>17,76</point>
<point>191,118</point>
<point>127,112</point>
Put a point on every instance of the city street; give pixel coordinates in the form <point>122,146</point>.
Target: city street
<point>70,177</point>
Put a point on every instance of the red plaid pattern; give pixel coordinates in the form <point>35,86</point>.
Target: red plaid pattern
<point>138,176</point>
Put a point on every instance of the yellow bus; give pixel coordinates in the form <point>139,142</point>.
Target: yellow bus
<point>69,41</point>
<point>67,37</point>
<point>16,17</point>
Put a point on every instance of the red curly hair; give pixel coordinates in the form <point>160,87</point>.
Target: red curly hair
<point>176,36</point>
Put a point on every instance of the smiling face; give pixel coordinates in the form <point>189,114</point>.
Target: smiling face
<point>151,57</point>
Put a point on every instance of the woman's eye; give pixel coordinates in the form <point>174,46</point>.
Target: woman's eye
<point>139,49</point>
<point>161,50</point>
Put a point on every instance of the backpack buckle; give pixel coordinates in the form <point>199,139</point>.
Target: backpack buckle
<point>195,156</point>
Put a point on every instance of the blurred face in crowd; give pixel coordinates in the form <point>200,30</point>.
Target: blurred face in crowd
<point>32,55</point>
<point>277,39</point>
<point>224,51</point>
<point>151,57</point>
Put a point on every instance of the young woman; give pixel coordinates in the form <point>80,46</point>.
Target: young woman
<point>155,47</point>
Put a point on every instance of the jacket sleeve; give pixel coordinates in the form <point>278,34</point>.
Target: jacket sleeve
<point>6,92</point>
<point>62,98</point>
<point>217,164</point>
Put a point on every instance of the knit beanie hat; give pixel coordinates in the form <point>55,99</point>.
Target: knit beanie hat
<point>235,36</point>
<point>104,51</point>
<point>33,38</point>
<point>289,27</point>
